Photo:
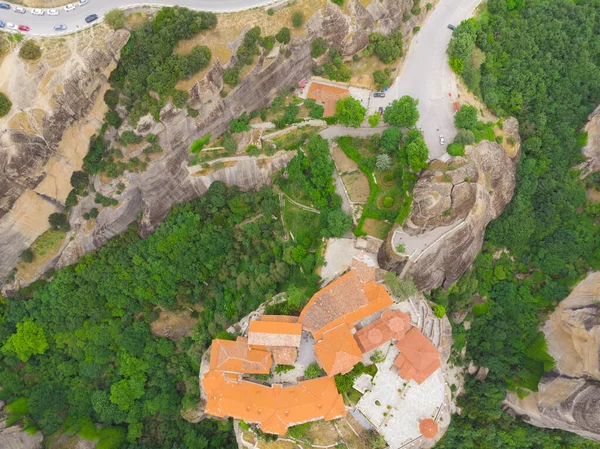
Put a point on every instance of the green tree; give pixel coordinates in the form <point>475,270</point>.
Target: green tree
<point>337,223</point>
<point>466,117</point>
<point>313,371</point>
<point>381,78</point>
<point>5,105</point>
<point>464,137</point>
<point>30,50</point>
<point>283,35</point>
<point>29,339</point>
<point>59,222</point>
<point>115,18</point>
<point>400,288</point>
<point>27,255</point>
<point>383,162</point>
<point>402,113</point>
<point>80,180</point>
<point>350,112</point>
<point>417,155</point>
<point>391,139</point>
<point>319,47</point>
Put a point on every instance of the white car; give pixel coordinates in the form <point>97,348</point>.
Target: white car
<point>37,12</point>
<point>19,9</point>
<point>11,26</point>
<point>53,12</point>
<point>82,2</point>
<point>442,140</point>
<point>70,7</point>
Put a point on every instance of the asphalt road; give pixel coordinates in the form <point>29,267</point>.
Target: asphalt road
<point>75,20</point>
<point>427,76</point>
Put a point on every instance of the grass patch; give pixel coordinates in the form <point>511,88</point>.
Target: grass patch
<point>484,131</point>
<point>304,225</point>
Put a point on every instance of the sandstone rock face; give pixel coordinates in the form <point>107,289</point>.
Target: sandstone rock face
<point>592,150</point>
<point>14,437</point>
<point>44,137</point>
<point>453,203</point>
<point>569,396</point>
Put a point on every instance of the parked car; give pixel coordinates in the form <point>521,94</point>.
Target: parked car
<point>37,12</point>
<point>2,24</point>
<point>53,12</point>
<point>23,28</point>
<point>378,94</point>
<point>4,6</point>
<point>91,18</point>
<point>442,140</point>
<point>82,2</point>
<point>452,27</point>
<point>20,9</point>
<point>11,26</point>
<point>380,110</point>
<point>385,89</point>
<point>60,27</point>
<point>69,7</point>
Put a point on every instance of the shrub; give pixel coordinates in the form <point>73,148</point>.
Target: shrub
<point>374,119</point>
<point>224,335</point>
<point>439,310</point>
<point>464,137</point>
<point>94,212</point>
<point>319,47</point>
<point>267,42</point>
<point>400,248</point>
<point>388,202</point>
<point>80,180</point>
<point>387,48</point>
<point>283,35</point>
<point>391,139</point>
<point>338,2</point>
<point>400,288</point>
<point>456,149</point>
<point>113,119</point>
<point>5,105</point>
<point>104,200</point>
<point>270,11</point>
<point>231,76</point>
<point>511,140</point>
<point>313,371</point>
<point>111,98</point>
<point>499,139</point>
<point>377,357</point>
<point>129,138</point>
<point>253,150</point>
<point>582,138</point>
<point>428,6</point>
<point>27,256</point>
<point>199,144</point>
<point>406,16</point>
<point>416,29</point>
<point>297,19</point>
<point>115,18</point>
<point>151,138</point>
<point>381,78</point>
<point>72,199</point>
<point>298,431</point>
<point>282,369</point>
<point>415,11</point>
<point>240,124</point>
<point>30,50</point>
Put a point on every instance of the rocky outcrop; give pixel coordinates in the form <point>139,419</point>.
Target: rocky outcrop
<point>14,437</point>
<point>592,150</point>
<point>453,203</point>
<point>55,107</point>
<point>569,396</point>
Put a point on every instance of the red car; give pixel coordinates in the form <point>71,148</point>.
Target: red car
<point>23,28</point>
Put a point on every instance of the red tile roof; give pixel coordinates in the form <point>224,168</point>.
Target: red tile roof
<point>392,325</point>
<point>418,358</point>
<point>428,428</point>
<point>273,408</point>
<point>284,355</point>
<point>328,95</point>
<point>237,357</point>
<point>274,333</point>
<point>338,352</point>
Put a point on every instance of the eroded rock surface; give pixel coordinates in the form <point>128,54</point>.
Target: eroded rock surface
<point>459,197</point>
<point>592,150</point>
<point>569,396</point>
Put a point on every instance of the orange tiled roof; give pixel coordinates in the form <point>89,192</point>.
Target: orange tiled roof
<point>279,318</point>
<point>338,352</point>
<point>274,333</point>
<point>237,357</point>
<point>273,408</point>
<point>428,428</point>
<point>418,358</point>
<point>284,355</point>
<point>392,325</point>
<point>328,95</point>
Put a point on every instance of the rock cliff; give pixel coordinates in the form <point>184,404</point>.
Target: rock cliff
<point>453,203</point>
<point>592,150</point>
<point>569,396</point>
<point>45,136</point>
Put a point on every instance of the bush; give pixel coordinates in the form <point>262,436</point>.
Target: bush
<point>381,78</point>
<point>240,124</point>
<point>253,150</point>
<point>59,222</point>
<point>115,18</point>
<point>111,98</point>
<point>282,369</point>
<point>113,119</point>
<point>350,112</point>
<point>383,162</point>
<point>5,105</point>
<point>456,149</point>
<point>313,371</point>
<point>387,48</point>
<point>388,202</point>
<point>319,47</point>
<point>400,248</point>
<point>377,357</point>
<point>283,35</point>
<point>374,119</point>
<point>400,288</point>
<point>464,137</point>
<point>231,76</point>
<point>511,140</point>
<point>27,256</point>
<point>298,431</point>
<point>104,200</point>
<point>429,6</point>
<point>79,180</point>
<point>270,11</point>
<point>415,11</point>
<point>199,144</point>
<point>416,29</point>
<point>267,42</point>
<point>391,139</point>
<point>151,138</point>
<point>129,138</point>
<point>297,19</point>
<point>499,139</point>
<point>338,2</point>
<point>406,16</point>
<point>439,310</point>
<point>30,50</point>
